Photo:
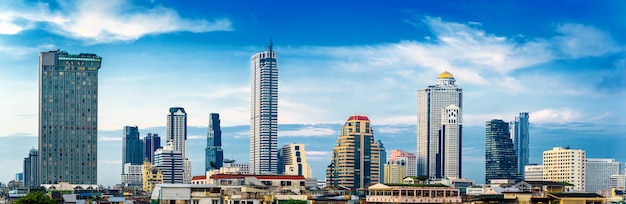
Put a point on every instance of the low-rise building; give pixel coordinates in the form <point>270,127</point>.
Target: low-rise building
<point>415,193</point>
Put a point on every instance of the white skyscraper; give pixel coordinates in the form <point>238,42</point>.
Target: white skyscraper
<point>264,112</point>
<point>599,173</point>
<point>177,137</point>
<point>565,165</point>
<point>440,117</point>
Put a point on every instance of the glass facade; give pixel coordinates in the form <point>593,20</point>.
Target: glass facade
<point>214,158</point>
<point>519,131</point>
<point>500,158</point>
<point>68,114</point>
<point>132,146</point>
<point>151,142</point>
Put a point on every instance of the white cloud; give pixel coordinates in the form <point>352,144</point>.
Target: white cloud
<point>110,139</point>
<point>309,131</point>
<point>579,40</point>
<point>104,21</point>
<point>560,115</point>
<point>317,153</point>
<point>196,137</point>
<point>390,129</point>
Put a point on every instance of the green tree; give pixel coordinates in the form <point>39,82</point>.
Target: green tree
<point>35,198</point>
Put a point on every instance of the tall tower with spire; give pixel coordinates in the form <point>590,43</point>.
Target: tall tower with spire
<point>264,112</point>
<point>439,118</point>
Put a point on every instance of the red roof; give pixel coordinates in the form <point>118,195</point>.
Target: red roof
<point>260,177</point>
<point>198,178</point>
<point>358,117</point>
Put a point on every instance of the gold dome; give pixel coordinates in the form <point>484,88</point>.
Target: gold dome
<point>446,75</point>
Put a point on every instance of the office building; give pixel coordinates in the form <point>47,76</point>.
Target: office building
<point>31,169</point>
<point>68,117</point>
<point>533,172</point>
<point>294,161</point>
<point>132,176</point>
<point>521,138</point>
<point>410,158</point>
<point>264,112</point>
<point>395,171</point>
<point>618,181</point>
<point>244,168</point>
<point>132,147</point>
<point>177,138</point>
<point>598,174</point>
<point>151,176</point>
<point>500,158</point>
<point>440,117</point>
<point>170,163</point>
<point>355,158</point>
<point>565,165</point>
<point>382,154</point>
<point>151,142</point>
<point>214,155</point>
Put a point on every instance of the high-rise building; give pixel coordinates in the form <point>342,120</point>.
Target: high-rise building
<point>395,171</point>
<point>382,154</point>
<point>151,142</point>
<point>294,161</point>
<point>264,112</point>
<point>177,138</point>
<point>599,171</point>
<point>214,158</point>
<point>533,172</point>
<point>132,147</point>
<point>440,117</point>
<point>520,136</point>
<point>151,176</point>
<point>68,117</point>
<point>31,168</point>
<point>410,158</point>
<point>500,159</point>
<point>565,165</point>
<point>355,158</point>
<point>132,176</point>
<point>170,163</point>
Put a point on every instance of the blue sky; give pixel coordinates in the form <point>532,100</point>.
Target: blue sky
<point>562,61</point>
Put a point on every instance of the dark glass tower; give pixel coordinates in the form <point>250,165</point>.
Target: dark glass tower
<point>151,142</point>
<point>132,146</point>
<point>214,154</point>
<point>68,117</point>
<point>500,159</point>
<point>31,163</point>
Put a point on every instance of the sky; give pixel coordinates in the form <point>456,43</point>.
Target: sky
<point>563,62</point>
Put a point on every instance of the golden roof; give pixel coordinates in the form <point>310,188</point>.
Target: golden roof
<point>446,75</point>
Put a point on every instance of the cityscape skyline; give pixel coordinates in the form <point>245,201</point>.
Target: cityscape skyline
<point>556,70</point>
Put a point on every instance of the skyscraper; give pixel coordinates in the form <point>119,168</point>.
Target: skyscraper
<point>68,117</point>
<point>355,158</point>
<point>177,138</point>
<point>408,157</point>
<point>382,154</point>
<point>520,136</point>
<point>294,161</point>
<point>132,147</point>
<point>500,159</point>
<point>214,158</point>
<point>565,165</point>
<point>440,117</point>
<point>31,169</point>
<point>264,112</point>
<point>171,164</point>
<point>151,142</point>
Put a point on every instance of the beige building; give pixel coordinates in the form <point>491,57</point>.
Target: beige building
<point>565,165</point>
<point>381,193</point>
<point>294,159</point>
<point>395,171</point>
<point>151,176</point>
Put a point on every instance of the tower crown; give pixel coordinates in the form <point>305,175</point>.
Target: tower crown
<point>446,75</point>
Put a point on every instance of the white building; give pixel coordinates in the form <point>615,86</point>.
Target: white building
<point>618,181</point>
<point>439,128</point>
<point>599,171</point>
<point>565,165</point>
<point>244,168</point>
<point>294,159</point>
<point>132,175</point>
<point>533,173</point>
<point>170,162</point>
<point>264,112</point>
<point>177,137</point>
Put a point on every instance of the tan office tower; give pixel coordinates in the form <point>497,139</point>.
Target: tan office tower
<point>294,159</point>
<point>565,165</point>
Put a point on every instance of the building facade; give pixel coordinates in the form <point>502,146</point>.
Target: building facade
<point>151,176</point>
<point>521,137</point>
<point>214,158</point>
<point>533,172</point>
<point>382,154</point>
<point>599,171</point>
<point>170,163</point>
<point>294,161</point>
<point>500,158</point>
<point>132,146</point>
<point>177,138</point>
<point>440,117</point>
<point>565,165</point>
<point>132,176</point>
<point>151,142</point>
<point>618,181</point>
<point>395,171</point>
<point>410,158</point>
<point>355,158</point>
<point>31,169</point>
<point>68,117</point>
<point>264,112</point>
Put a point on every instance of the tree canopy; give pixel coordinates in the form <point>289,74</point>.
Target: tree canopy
<point>35,198</point>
